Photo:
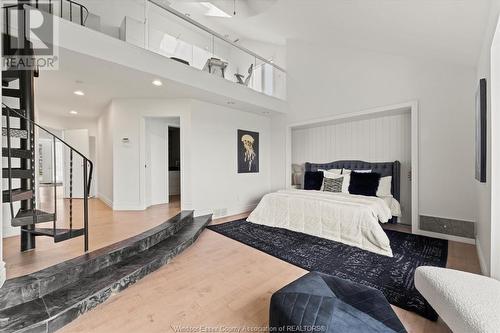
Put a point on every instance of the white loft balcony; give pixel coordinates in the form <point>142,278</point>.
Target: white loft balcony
<point>153,38</point>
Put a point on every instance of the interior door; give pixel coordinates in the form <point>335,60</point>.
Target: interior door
<point>156,162</point>
<point>79,140</point>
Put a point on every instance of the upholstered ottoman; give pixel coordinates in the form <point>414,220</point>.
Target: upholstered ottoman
<point>321,303</point>
<point>467,303</point>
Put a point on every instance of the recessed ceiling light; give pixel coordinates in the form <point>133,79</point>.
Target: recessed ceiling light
<point>73,112</point>
<point>157,83</point>
<point>79,93</point>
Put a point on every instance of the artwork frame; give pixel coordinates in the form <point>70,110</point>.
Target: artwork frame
<point>248,151</point>
<point>481,134</point>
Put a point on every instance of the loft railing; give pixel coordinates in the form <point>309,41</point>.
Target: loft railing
<point>87,167</point>
<point>239,64</point>
<point>155,26</point>
<point>214,33</point>
<point>68,9</point>
<point>74,9</point>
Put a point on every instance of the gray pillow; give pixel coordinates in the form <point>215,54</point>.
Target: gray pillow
<point>333,184</point>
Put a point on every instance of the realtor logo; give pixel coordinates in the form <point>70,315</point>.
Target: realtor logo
<point>31,33</point>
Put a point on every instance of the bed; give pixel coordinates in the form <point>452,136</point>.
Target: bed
<point>350,219</point>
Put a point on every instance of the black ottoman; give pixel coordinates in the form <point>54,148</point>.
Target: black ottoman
<point>322,303</point>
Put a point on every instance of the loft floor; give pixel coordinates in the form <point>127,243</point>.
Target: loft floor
<point>219,282</point>
<point>105,228</point>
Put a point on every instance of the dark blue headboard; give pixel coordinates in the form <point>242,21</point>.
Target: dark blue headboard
<point>384,168</point>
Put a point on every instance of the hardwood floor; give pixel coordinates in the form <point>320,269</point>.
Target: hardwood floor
<point>105,228</point>
<point>219,283</point>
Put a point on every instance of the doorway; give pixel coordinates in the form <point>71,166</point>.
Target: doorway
<point>162,161</point>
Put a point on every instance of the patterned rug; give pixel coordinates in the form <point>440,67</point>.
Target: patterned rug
<point>392,276</point>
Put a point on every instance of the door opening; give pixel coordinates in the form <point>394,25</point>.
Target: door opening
<point>162,161</point>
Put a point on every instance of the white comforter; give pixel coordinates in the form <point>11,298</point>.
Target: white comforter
<point>346,218</point>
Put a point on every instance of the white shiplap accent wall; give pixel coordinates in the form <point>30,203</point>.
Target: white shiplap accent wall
<point>378,139</point>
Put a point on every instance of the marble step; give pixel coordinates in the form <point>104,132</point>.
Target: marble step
<point>30,287</point>
<point>52,311</point>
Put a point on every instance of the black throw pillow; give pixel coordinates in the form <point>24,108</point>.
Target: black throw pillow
<point>313,180</point>
<point>364,183</point>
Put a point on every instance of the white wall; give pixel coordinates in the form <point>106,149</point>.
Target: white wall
<point>376,139</point>
<point>128,121</point>
<point>57,123</point>
<point>495,155</point>
<point>484,199</point>
<point>49,120</point>
<point>279,149</point>
<point>341,80</point>
<point>73,163</point>
<point>216,183</point>
<point>208,155</point>
<point>105,156</point>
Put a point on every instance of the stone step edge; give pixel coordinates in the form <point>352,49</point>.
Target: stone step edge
<point>63,318</point>
<point>38,284</point>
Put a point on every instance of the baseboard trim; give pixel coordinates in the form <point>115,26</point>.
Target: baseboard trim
<point>229,212</point>
<point>105,199</point>
<point>445,236</point>
<point>125,206</point>
<point>482,261</point>
<point>3,273</point>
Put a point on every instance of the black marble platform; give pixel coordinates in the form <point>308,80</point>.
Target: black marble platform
<point>29,287</point>
<point>88,287</point>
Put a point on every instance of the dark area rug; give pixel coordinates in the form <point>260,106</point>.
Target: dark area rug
<point>392,276</point>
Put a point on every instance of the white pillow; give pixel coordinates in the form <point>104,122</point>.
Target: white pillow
<point>348,171</point>
<point>345,183</point>
<point>337,171</point>
<point>330,173</point>
<point>384,187</point>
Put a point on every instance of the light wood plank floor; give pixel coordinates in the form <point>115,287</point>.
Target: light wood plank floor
<point>106,227</point>
<point>219,282</point>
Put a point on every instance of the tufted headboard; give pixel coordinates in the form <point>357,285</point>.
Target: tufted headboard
<point>384,168</point>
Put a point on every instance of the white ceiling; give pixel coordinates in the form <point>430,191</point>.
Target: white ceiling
<point>449,30</point>
<point>99,80</point>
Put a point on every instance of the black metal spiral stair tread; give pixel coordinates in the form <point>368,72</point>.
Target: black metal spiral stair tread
<point>18,194</point>
<point>17,173</point>
<point>9,92</point>
<point>59,235</point>
<point>10,74</point>
<point>18,113</point>
<point>16,133</point>
<point>27,218</point>
<point>16,153</point>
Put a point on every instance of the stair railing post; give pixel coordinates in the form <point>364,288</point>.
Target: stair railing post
<point>7,24</point>
<point>55,181</point>
<point>71,190</point>
<point>9,162</point>
<point>85,206</point>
